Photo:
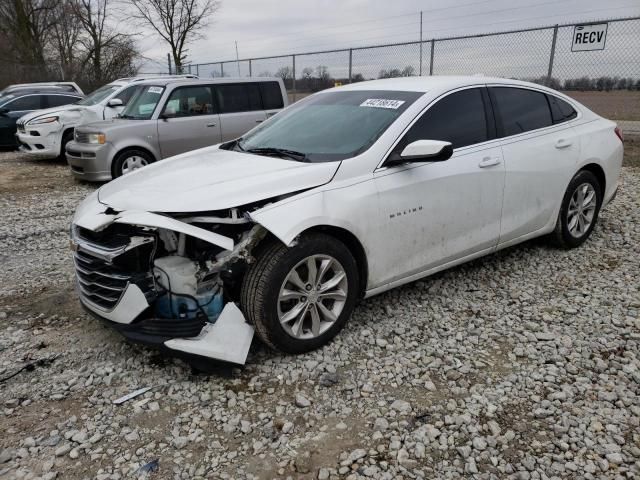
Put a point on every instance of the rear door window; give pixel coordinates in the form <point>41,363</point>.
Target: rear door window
<point>458,118</point>
<point>521,110</point>
<point>561,111</point>
<point>59,100</point>
<point>271,95</point>
<point>240,97</point>
<point>189,102</point>
<point>29,102</point>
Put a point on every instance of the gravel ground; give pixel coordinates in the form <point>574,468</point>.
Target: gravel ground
<point>521,365</point>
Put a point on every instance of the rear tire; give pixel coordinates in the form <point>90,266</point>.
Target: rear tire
<point>317,277</point>
<point>579,211</point>
<point>130,160</point>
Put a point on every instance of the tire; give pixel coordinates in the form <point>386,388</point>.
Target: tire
<point>269,276</point>
<point>140,158</point>
<point>66,138</point>
<point>568,232</point>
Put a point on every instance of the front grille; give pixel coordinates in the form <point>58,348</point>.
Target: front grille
<point>100,282</point>
<point>108,261</point>
<point>21,127</point>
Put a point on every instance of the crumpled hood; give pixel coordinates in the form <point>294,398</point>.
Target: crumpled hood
<point>211,179</point>
<point>50,111</point>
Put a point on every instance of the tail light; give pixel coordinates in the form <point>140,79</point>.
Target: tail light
<point>619,133</point>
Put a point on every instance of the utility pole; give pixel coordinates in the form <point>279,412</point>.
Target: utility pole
<point>237,58</point>
<point>420,42</point>
<point>169,62</point>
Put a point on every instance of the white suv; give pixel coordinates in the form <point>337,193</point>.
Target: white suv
<point>44,133</point>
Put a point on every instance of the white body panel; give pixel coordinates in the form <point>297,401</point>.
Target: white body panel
<point>411,220</point>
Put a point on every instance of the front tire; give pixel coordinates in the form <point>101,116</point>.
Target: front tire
<point>66,138</point>
<point>579,210</point>
<point>129,161</point>
<point>299,298</point>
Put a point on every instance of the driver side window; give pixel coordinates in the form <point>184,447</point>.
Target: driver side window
<point>458,118</point>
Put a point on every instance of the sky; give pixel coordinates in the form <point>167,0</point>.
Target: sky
<point>279,27</point>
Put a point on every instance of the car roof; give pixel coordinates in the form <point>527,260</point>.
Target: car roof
<point>432,83</point>
<point>41,90</point>
<point>200,81</point>
<point>144,78</point>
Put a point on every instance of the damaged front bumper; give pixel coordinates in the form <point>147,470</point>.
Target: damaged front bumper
<point>116,283</point>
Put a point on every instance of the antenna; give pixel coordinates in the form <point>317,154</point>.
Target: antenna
<point>237,58</point>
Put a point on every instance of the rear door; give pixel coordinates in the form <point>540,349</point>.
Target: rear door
<point>188,120</point>
<point>240,106</point>
<point>540,153</point>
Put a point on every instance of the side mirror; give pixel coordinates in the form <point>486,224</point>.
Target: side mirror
<point>423,151</point>
<point>115,102</point>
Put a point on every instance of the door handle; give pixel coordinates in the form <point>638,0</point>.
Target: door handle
<point>211,124</point>
<point>562,143</point>
<point>489,162</point>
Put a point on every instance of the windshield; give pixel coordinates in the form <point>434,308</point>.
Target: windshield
<point>98,95</point>
<point>330,126</point>
<point>143,103</point>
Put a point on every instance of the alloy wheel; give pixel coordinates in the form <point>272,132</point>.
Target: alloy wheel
<point>582,208</point>
<point>312,296</point>
<point>134,162</point>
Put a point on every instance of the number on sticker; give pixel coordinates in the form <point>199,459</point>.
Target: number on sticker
<point>382,103</point>
<point>155,89</point>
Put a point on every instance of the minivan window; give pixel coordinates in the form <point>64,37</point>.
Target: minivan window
<point>329,126</point>
<point>30,102</point>
<point>143,103</point>
<point>189,101</point>
<point>521,110</point>
<point>458,118</point>
<point>561,111</point>
<point>98,95</point>
<point>240,97</point>
<point>271,95</point>
<point>59,100</point>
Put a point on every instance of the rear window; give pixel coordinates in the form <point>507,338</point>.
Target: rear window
<point>561,111</point>
<point>59,100</point>
<point>240,97</point>
<point>521,110</point>
<point>29,102</point>
<point>271,95</point>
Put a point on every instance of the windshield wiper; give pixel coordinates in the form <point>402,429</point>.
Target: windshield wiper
<point>130,117</point>
<point>283,152</point>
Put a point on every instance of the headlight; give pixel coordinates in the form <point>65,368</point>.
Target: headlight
<point>94,138</point>
<point>40,121</point>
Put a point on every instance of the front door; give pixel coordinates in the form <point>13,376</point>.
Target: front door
<point>188,121</point>
<point>445,210</point>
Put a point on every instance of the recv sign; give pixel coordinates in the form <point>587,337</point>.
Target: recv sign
<point>589,37</point>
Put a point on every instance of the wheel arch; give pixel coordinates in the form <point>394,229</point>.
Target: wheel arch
<point>126,149</point>
<point>598,171</point>
<point>353,244</point>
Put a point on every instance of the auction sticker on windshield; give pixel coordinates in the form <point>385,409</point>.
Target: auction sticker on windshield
<point>155,89</point>
<point>382,103</point>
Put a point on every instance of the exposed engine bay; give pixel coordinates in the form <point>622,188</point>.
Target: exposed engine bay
<point>170,280</point>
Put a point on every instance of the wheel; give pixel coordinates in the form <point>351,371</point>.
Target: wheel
<point>299,298</point>
<point>579,210</point>
<point>66,138</point>
<point>130,160</point>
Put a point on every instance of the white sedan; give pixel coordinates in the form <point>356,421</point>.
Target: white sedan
<point>343,195</point>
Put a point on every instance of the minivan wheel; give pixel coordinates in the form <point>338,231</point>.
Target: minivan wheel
<point>579,210</point>
<point>129,161</point>
<point>299,298</point>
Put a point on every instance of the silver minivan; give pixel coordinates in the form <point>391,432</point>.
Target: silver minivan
<point>166,117</point>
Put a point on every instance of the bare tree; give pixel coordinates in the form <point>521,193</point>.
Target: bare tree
<point>177,22</point>
<point>26,25</point>
<point>66,37</point>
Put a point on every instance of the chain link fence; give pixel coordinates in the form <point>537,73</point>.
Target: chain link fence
<point>542,54</point>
